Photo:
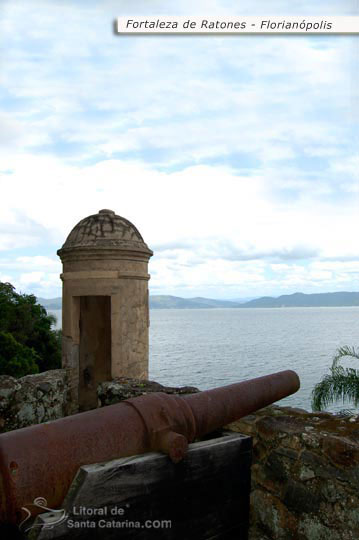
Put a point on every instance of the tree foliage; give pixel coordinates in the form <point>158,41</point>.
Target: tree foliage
<point>27,335</point>
<point>341,383</point>
<point>16,359</point>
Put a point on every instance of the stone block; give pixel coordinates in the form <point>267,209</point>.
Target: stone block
<point>341,451</point>
<point>272,516</point>
<point>121,388</point>
<point>310,528</point>
<point>272,427</point>
<point>32,399</point>
<point>300,499</point>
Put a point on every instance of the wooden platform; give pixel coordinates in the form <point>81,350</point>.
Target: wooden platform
<point>206,496</point>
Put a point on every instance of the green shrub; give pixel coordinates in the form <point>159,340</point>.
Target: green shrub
<point>15,359</point>
<point>31,327</point>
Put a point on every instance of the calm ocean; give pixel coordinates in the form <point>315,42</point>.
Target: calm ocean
<point>213,347</point>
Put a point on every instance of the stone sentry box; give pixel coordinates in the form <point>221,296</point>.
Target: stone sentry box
<point>105,310</point>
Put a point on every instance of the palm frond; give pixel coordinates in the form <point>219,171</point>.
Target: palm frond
<point>342,352</point>
<point>342,383</point>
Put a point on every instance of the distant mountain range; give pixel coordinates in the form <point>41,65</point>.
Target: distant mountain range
<point>335,299</point>
<point>166,302</point>
<point>50,303</point>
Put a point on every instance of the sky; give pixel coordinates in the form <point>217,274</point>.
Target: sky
<point>236,157</point>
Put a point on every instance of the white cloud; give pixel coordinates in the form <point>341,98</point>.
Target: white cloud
<point>210,203</point>
<point>163,95</point>
<point>347,170</point>
<point>37,261</point>
<point>142,125</point>
<point>210,226</point>
<point>31,278</point>
<point>39,283</point>
<point>6,278</point>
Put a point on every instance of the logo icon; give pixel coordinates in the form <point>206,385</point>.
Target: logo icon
<point>55,518</point>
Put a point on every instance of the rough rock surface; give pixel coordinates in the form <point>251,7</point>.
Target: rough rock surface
<point>124,388</point>
<point>305,474</point>
<point>32,399</point>
<point>35,399</point>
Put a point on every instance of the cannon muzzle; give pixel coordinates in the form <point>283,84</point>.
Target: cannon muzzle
<point>42,460</point>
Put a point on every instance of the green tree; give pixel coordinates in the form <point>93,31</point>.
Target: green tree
<point>16,359</point>
<point>341,383</point>
<point>30,326</point>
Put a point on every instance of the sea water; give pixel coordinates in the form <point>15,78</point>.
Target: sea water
<point>214,347</point>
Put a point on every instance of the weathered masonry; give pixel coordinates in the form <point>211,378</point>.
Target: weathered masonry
<point>105,311</point>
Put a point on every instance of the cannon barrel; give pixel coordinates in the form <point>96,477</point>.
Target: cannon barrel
<point>42,460</point>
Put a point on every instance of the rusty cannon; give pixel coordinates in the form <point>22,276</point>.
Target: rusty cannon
<point>42,460</point>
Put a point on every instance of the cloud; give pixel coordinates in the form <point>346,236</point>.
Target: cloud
<point>228,251</point>
<point>39,283</point>
<point>172,246</point>
<point>348,171</point>
<point>101,95</point>
<point>236,157</point>
<point>37,261</point>
<point>198,221</point>
<point>17,229</point>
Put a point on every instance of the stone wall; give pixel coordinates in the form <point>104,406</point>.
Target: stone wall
<point>305,475</point>
<point>124,388</point>
<point>32,399</point>
<point>39,398</point>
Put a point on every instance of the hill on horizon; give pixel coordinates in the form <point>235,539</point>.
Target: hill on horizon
<point>50,303</point>
<point>335,299</point>
<point>161,302</point>
<point>176,302</point>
